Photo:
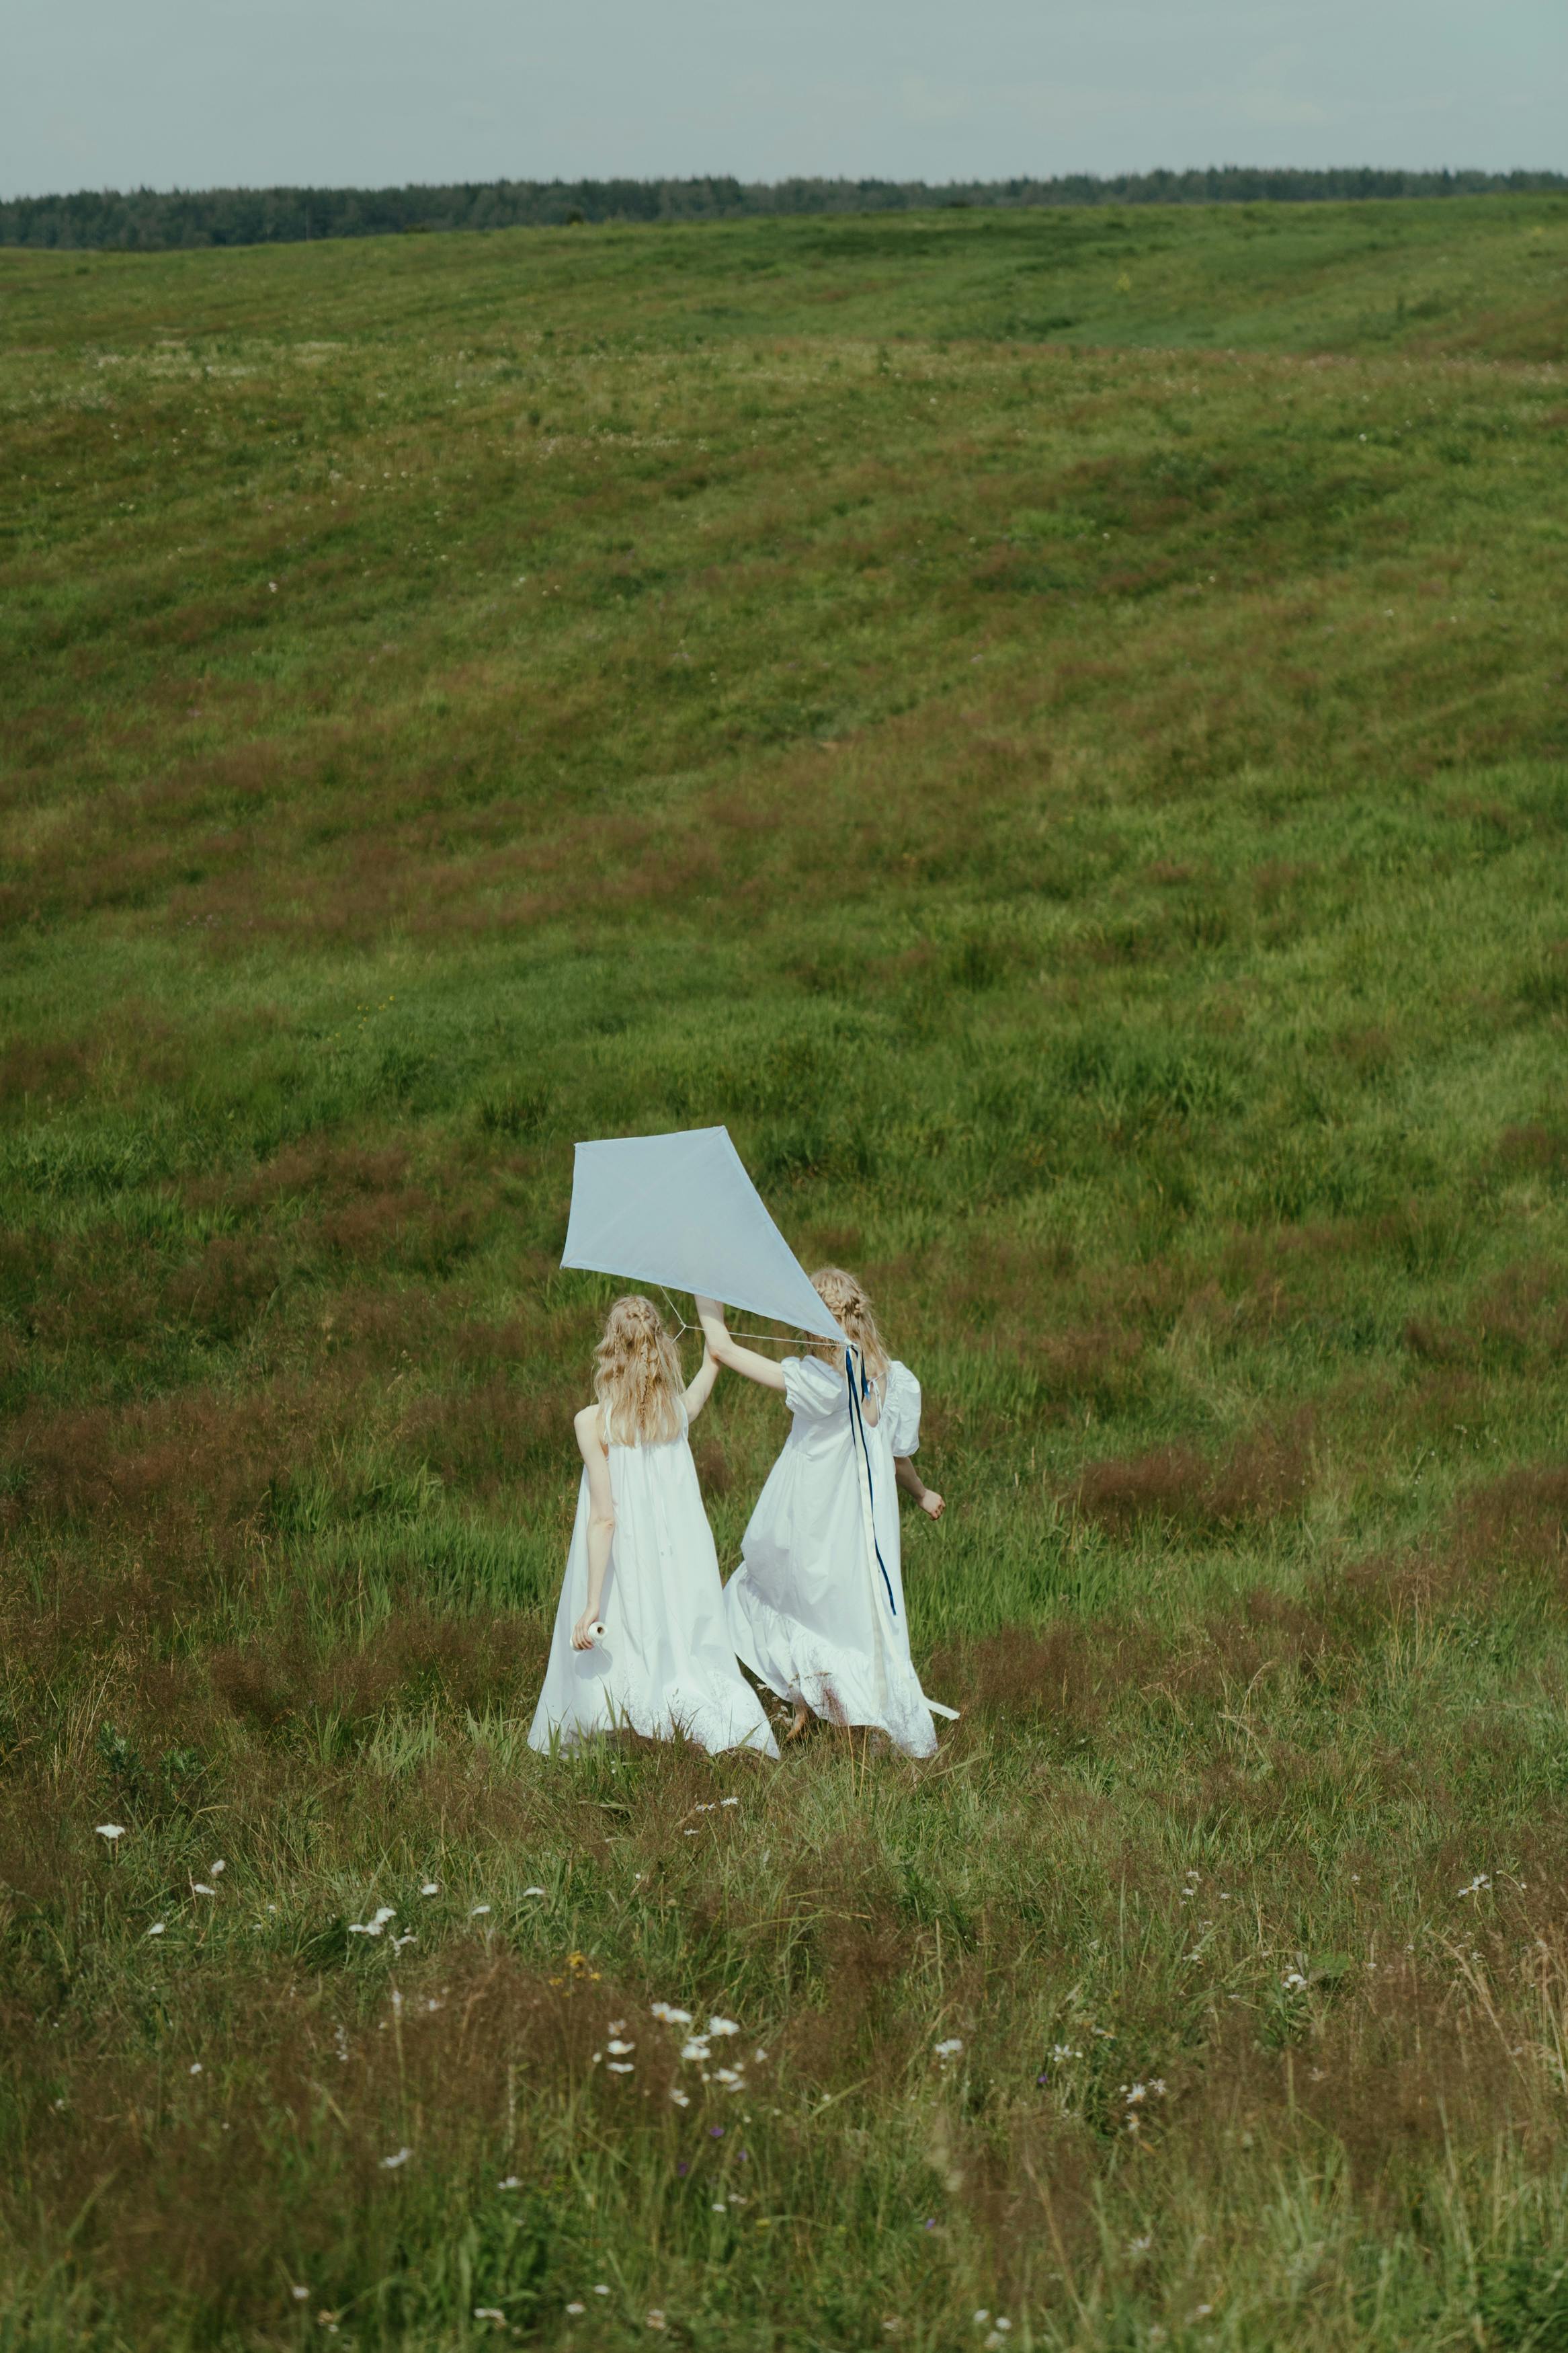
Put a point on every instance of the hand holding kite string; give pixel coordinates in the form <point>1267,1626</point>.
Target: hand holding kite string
<point>723,1345</point>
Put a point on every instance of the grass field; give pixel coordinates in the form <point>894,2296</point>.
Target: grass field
<point>1054,727</point>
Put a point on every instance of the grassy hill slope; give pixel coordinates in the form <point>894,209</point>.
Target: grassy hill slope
<point>1053,727</point>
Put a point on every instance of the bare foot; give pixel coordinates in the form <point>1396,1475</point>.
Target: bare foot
<point>801,1718</point>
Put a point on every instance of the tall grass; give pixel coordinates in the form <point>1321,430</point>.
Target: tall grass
<point>1073,775</point>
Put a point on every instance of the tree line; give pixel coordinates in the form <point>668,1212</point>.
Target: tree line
<point>152,220</point>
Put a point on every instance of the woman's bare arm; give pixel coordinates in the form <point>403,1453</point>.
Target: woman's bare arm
<point>601,1519</point>
<point>700,1390</point>
<point>725,1351</point>
<point>910,1480</point>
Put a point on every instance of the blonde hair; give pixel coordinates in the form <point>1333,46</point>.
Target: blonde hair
<point>636,1375</point>
<point>846,1301</point>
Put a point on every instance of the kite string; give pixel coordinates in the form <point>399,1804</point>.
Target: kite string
<point>771,1338</point>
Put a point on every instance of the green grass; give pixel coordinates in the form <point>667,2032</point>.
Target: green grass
<point>1054,728</point>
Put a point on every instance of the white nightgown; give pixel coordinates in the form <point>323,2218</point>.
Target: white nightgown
<point>665,1663</point>
<point>816,1607</point>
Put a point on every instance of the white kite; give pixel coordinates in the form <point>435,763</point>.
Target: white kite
<point>681,1210</point>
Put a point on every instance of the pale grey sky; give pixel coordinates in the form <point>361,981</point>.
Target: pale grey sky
<point>198,93</point>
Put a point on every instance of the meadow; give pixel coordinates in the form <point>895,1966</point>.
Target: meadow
<point>1055,728</point>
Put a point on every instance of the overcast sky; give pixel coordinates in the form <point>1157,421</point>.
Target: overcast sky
<point>198,93</point>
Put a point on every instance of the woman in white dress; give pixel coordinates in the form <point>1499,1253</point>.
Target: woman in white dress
<point>640,1642</point>
<point>816,1607</point>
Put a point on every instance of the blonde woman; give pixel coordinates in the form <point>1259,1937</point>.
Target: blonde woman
<point>816,1607</point>
<point>640,1642</point>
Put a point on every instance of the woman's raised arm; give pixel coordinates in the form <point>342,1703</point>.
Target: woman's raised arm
<point>762,1370</point>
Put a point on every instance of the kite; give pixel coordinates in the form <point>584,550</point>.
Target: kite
<point>680,1211</point>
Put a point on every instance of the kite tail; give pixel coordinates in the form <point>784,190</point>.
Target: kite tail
<point>858,1421</point>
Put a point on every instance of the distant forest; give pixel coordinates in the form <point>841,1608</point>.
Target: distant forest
<point>147,221</point>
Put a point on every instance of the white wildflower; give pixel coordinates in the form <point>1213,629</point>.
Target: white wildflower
<point>950,2049</point>
<point>694,2048</point>
<point>111,1830</point>
<point>200,1888</point>
<point>477,1911</point>
<point>399,2157</point>
<point>513,2181</point>
<point>667,2012</point>
<point>156,1929</point>
<point>533,1891</point>
<point>682,2099</point>
<point>723,2026</point>
<point>621,2049</point>
<point>195,2066</point>
<point>575,2308</point>
<point>431,1887</point>
<point>217,1868</point>
<point>622,2067</point>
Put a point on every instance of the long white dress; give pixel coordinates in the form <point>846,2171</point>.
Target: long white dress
<point>816,1607</point>
<point>665,1664</point>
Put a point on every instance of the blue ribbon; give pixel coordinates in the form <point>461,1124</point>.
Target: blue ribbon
<point>858,1421</point>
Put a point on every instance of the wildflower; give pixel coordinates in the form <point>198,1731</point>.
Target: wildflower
<point>719,2206</point>
<point>694,2048</point>
<point>622,2067</point>
<point>200,1888</point>
<point>1202,2311</point>
<point>682,2099</point>
<point>950,2049</point>
<point>399,2157</point>
<point>299,2294</point>
<point>372,1927</point>
<point>513,2181</point>
<point>1138,2247</point>
<point>533,1891</point>
<point>111,1830</point>
<point>1293,1981</point>
<point>217,1868</point>
<point>476,1910</point>
<point>723,2026</point>
<point>575,2308</point>
<point>621,2049</point>
<point>656,2319</point>
<point>156,1929</point>
<point>600,2289</point>
<point>669,2016</point>
<point>430,1887</point>
<point>761,2057</point>
<point>488,2312</point>
<point>728,1801</point>
<point>981,2316</point>
<point>272,587</point>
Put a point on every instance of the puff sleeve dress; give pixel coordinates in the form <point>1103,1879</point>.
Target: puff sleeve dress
<point>666,1664</point>
<point>816,1607</point>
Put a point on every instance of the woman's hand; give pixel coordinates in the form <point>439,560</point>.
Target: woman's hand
<point>933,1504</point>
<point>583,1632</point>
